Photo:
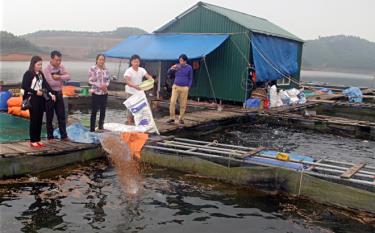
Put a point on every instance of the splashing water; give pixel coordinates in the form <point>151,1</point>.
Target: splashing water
<point>128,170</point>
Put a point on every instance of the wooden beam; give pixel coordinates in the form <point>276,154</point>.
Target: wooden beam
<point>351,171</point>
<point>312,167</point>
<point>253,152</point>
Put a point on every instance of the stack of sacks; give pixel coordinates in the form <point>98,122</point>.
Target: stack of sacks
<point>14,107</point>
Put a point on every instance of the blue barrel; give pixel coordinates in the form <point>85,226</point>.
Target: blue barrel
<point>4,96</point>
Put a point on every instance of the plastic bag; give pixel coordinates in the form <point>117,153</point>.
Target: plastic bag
<point>302,98</point>
<point>252,103</point>
<point>275,100</point>
<point>140,108</point>
<point>326,91</point>
<point>78,133</point>
<point>284,97</point>
<point>354,93</point>
<point>293,95</point>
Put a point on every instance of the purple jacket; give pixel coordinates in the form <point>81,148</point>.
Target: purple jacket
<point>184,75</point>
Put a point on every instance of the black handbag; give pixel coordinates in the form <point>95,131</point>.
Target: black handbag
<point>26,104</point>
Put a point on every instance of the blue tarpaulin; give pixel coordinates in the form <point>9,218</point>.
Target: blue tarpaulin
<point>274,57</point>
<point>167,46</point>
<point>78,133</point>
<point>354,93</point>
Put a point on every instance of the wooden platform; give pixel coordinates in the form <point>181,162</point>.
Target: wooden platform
<point>324,123</point>
<point>18,158</point>
<point>199,118</point>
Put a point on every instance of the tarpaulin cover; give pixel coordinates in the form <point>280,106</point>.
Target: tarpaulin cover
<point>274,57</point>
<point>78,133</point>
<point>354,93</point>
<point>167,46</point>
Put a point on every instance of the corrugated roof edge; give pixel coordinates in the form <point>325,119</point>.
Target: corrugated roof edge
<point>207,6</point>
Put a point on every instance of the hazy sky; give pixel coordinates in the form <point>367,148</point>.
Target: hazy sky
<point>307,19</point>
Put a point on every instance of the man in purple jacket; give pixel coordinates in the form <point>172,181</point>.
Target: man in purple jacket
<point>56,75</point>
<point>180,89</point>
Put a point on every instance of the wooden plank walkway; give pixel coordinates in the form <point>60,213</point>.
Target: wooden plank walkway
<point>198,118</point>
<point>22,148</point>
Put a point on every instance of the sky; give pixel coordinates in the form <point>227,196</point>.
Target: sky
<point>307,19</point>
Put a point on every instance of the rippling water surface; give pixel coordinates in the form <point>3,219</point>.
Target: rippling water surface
<point>305,142</point>
<point>90,199</point>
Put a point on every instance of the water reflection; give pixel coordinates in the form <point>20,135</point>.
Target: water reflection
<point>41,214</point>
<point>93,201</point>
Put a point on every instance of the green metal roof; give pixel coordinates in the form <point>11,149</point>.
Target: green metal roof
<point>253,23</point>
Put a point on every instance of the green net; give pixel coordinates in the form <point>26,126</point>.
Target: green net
<point>14,128</point>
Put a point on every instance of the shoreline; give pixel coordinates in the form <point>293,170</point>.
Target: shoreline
<point>26,57</point>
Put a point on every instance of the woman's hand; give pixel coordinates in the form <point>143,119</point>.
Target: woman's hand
<point>56,77</point>
<point>137,88</point>
<point>53,97</point>
<point>39,93</point>
<point>104,88</point>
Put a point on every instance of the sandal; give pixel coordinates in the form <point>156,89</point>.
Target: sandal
<point>41,144</point>
<point>34,145</point>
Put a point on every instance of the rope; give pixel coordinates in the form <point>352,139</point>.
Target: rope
<point>244,77</point>
<point>261,53</point>
<point>209,79</point>
<point>300,183</point>
<point>229,158</point>
<point>241,53</point>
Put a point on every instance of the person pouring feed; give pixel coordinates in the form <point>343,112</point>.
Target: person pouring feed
<point>99,80</point>
<point>37,91</point>
<point>180,89</point>
<point>133,78</point>
<point>56,75</point>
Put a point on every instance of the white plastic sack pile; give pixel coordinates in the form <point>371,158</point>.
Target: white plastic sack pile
<point>140,108</point>
<point>293,95</point>
<point>275,100</point>
<point>284,96</point>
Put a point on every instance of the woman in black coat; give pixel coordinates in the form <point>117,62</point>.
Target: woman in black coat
<point>37,89</point>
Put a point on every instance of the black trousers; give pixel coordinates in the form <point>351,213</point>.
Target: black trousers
<point>36,117</point>
<point>98,102</point>
<point>59,108</point>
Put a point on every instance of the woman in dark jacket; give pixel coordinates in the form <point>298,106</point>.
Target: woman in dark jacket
<point>37,89</point>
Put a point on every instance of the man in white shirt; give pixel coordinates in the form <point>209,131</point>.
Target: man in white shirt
<point>133,77</point>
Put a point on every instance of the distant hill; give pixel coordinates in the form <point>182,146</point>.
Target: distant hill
<point>11,44</point>
<point>346,53</point>
<point>80,45</point>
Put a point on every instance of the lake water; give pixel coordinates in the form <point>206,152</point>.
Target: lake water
<point>11,72</point>
<point>337,78</point>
